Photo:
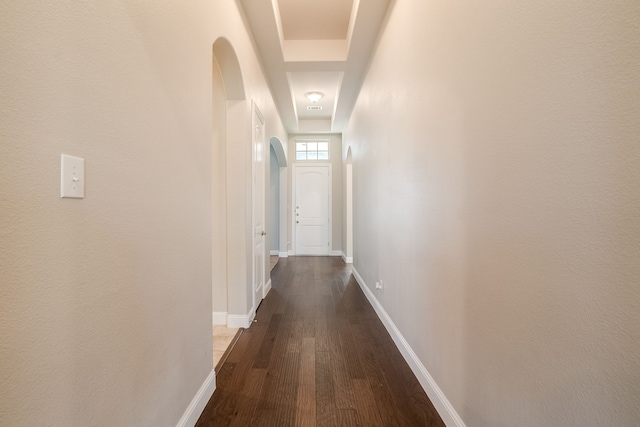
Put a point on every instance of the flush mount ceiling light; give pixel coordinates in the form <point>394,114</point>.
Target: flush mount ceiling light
<point>314,96</point>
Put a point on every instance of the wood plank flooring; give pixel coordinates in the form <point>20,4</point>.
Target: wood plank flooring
<point>317,356</point>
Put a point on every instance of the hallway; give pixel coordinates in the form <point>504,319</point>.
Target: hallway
<point>484,182</point>
<point>317,355</point>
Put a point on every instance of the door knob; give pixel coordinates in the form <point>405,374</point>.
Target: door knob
<point>264,233</point>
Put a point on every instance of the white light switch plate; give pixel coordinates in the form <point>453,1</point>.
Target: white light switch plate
<point>71,177</point>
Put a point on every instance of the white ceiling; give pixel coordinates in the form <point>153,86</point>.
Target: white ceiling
<point>315,45</point>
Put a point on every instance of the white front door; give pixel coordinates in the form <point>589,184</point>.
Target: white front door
<point>258,206</point>
<point>311,210</point>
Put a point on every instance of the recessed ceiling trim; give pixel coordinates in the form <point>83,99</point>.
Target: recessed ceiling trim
<point>315,50</point>
<point>294,63</point>
<point>352,22</point>
<point>278,20</point>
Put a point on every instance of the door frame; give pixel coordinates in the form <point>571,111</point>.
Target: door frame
<point>293,203</point>
<point>257,293</point>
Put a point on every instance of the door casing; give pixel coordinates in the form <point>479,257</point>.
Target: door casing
<point>258,205</point>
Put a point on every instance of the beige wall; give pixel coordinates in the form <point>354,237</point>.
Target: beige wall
<point>347,203</point>
<point>496,172</point>
<point>335,159</point>
<point>105,302</point>
<point>219,194</point>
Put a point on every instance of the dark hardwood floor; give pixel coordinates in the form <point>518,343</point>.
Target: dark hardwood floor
<point>317,356</point>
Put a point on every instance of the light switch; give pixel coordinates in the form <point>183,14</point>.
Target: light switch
<point>71,177</point>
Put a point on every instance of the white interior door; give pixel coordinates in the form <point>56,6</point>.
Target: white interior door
<point>258,193</point>
<point>311,210</point>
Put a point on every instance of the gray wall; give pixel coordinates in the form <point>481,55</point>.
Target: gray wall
<point>497,172</point>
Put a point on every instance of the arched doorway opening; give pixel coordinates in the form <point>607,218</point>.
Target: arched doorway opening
<point>228,189</point>
<point>278,198</point>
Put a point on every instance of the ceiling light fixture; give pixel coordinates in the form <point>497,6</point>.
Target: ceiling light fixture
<point>314,96</point>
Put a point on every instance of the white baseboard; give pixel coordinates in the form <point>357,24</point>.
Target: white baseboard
<point>331,253</point>
<point>346,259</point>
<point>219,317</point>
<point>241,320</point>
<point>267,288</point>
<point>439,400</point>
<point>283,254</point>
<point>251,316</point>
<point>199,401</point>
<point>276,252</point>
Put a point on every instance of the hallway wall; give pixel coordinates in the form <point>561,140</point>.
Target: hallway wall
<point>496,181</point>
<point>105,302</point>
